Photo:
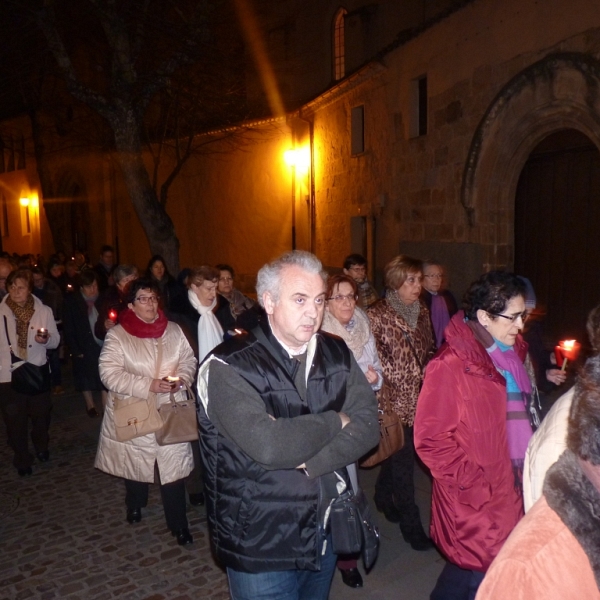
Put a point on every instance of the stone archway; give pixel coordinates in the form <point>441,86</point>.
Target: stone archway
<point>561,91</point>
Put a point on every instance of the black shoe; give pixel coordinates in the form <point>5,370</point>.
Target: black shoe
<point>183,536</point>
<point>134,515</point>
<point>391,513</point>
<point>352,577</point>
<point>418,540</point>
<point>24,472</point>
<point>43,456</point>
<point>197,499</point>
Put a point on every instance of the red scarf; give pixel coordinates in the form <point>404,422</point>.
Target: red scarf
<point>133,325</point>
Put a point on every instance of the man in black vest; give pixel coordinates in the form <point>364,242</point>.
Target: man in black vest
<point>283,410</point>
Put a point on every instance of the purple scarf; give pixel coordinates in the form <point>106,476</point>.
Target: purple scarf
<point>439,317</point>
<point>518,429</point>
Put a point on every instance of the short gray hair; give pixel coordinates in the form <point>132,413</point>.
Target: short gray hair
<point>122,271</point>
<point>269,277</point>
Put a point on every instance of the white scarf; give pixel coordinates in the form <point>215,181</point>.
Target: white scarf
<point>210,332</point>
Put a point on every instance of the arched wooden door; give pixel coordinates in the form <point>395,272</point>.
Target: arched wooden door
<point>557,230</point>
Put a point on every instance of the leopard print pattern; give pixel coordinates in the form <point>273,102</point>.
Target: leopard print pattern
<point>401,370</point>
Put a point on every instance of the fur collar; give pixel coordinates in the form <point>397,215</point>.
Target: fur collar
<point>576,501</point>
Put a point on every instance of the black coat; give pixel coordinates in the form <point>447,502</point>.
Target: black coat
<point>270,520</point>
<point>81,342</point>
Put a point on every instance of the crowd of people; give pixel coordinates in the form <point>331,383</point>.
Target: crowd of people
<point>288,392</point>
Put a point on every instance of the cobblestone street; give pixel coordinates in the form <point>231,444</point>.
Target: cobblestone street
<point>63,533</point>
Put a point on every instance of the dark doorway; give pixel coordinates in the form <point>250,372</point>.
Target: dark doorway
<point>557,230</point>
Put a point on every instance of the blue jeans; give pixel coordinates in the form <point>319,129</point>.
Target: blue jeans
<point>294,584</point>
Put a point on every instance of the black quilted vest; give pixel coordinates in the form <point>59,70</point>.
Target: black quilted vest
<point>263,520</point>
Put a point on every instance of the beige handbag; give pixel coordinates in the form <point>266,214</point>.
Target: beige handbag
<point>179,419</point>
<point>135,417</point>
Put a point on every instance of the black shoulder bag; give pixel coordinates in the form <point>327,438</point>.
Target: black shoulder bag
<point>352,524</point>
<point>27,378</point>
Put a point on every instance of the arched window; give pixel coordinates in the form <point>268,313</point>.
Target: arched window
<point>339,52</point>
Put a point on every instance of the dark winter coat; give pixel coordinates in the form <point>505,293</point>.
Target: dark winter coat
<point>265,519</point>
<point>81,342</point>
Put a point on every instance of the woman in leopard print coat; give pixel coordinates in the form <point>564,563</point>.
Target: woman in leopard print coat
<point>405,342</point>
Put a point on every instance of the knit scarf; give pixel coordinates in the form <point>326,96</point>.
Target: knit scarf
<point>210,332</point>
<point>135,326</point>
<point>23,315</point>
<point>518,392</point>
<point>355,336</point>
<point>409,312</point>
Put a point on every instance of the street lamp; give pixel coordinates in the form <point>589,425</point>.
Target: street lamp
<point>298,159</point>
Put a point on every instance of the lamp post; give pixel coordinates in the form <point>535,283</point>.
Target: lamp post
<point>290,157</point>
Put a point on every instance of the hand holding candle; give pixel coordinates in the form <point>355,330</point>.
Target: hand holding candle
<point>174,381</point>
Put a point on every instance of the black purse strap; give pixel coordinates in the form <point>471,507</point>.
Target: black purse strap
<point>13,356</point>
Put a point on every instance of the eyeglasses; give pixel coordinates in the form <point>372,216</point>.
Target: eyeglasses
<point>340,298</point>
<point>512,318</point>
<point>433,276</point>
<point>358,269</point>
<point>226,279</point>
<point>146,299</point>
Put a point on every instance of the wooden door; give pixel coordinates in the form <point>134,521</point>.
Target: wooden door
<point>557,230</point>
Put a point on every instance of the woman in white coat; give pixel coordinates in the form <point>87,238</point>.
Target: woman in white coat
<point>22,319</point>
<point>128,368</point>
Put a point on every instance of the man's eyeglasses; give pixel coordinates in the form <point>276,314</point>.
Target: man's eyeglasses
<point>340,298</point>
<point>226,279</point>
<point>512,318</point>
<point>146,299</point>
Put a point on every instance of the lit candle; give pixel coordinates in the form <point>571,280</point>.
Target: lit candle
<point>174,381</point>
<point>112,315</point>
<point>42,332</point>
<point>569,349</point>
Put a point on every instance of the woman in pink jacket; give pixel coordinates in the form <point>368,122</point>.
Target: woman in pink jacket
<point>472,430</point>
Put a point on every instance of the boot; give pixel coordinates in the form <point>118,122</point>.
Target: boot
<point>413,532</point>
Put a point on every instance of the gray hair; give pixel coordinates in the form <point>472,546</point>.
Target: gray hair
<point>122,271</point>
<point>269,277</point>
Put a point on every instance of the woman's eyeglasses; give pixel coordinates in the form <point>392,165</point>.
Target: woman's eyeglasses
<point>512,318</point>
<point>146,299</point>
<point>340,298</point>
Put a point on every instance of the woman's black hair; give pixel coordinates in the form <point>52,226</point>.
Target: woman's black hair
<point>141,284</point>
<point>491,293</point>
<point>155,258</point>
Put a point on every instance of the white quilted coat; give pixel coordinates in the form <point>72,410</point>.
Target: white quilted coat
<point>127,368</point>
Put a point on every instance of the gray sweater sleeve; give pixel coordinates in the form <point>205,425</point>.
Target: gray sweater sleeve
<point>238,412</point>
<point>359,436</point>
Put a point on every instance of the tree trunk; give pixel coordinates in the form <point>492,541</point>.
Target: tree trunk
<point>157,224</point>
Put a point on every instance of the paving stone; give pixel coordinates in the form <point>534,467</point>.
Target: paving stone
<point>66,535</point>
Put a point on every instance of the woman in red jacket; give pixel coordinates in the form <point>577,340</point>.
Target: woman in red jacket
<point>472,430</point>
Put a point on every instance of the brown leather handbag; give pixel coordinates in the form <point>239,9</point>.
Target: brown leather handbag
<point>179,419</point>
<point>390,429</point>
